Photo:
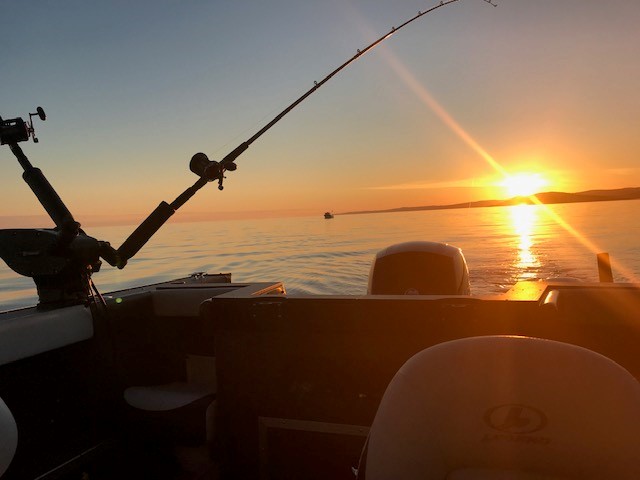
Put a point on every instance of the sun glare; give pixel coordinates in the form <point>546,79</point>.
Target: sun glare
<point>523,184</point>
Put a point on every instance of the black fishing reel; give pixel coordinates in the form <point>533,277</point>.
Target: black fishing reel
<point>211,170</point>
<point>16,130</point>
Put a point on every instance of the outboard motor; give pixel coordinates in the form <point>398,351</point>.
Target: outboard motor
<point>419,268</point>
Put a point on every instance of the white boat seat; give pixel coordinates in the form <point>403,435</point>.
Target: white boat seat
<point>502,407</point>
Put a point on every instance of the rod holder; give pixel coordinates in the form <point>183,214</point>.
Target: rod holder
<point>604,268</point>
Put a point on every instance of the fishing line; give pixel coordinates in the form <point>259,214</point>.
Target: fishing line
<point>360,52</point>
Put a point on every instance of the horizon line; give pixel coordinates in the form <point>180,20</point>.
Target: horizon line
<point>593,195</point>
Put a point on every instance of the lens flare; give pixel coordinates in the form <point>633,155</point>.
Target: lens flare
<point>520,185</point>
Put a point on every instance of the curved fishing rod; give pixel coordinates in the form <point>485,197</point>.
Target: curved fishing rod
<point>317,85</point>
<point>210,170</point>
<point>235,153</point>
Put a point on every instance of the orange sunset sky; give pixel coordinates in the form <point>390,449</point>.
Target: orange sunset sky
<point>442,112</point>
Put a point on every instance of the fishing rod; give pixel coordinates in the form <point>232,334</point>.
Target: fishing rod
<point>210,170</point>
<point>235,153</point>
<point>360,52</point>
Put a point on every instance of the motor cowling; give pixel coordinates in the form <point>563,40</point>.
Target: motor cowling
<point>419,268</point>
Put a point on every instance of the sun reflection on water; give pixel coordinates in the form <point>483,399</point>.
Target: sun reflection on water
<point>524,219</point>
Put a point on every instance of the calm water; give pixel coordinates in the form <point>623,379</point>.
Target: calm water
<point>311,255</point>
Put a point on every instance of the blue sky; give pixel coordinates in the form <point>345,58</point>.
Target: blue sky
<point>133,89</point>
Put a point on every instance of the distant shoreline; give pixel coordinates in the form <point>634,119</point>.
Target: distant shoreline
<point>546,198</point>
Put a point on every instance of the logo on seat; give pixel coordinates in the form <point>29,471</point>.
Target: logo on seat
<point>515,419</point>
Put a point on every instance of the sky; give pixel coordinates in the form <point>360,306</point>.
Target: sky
<point>439,113</point>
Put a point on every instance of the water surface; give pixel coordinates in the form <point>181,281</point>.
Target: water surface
<point>312,255</point>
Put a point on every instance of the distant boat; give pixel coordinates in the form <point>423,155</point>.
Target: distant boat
<point>328,215</point>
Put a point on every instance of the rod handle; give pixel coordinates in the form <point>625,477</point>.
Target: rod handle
<point>143,233</point>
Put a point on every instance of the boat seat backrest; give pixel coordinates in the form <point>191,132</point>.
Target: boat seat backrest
<point>504,407</point>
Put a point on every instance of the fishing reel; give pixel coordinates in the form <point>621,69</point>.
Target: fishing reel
<point>16,130</point>
<point>211,170</point>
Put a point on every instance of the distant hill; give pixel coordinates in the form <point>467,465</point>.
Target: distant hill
<point>631,193</point>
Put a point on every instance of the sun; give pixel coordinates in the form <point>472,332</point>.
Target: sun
<point>523,184</point>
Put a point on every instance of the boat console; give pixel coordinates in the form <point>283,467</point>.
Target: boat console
<point>302,375</point>
<point>297,379</point>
